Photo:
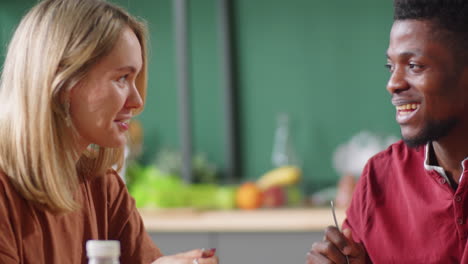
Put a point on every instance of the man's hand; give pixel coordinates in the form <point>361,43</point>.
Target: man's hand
<point>335,247</point>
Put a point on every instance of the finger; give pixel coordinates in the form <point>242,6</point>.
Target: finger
<point>317,258</point>
<point>208,252</point>
<point>195,253</point>
<point>333,235</point>
<point>210,260</point>
<point>356,249</point>
<point>329,250</point>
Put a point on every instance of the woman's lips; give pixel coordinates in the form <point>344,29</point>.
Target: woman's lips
<point>123,124</point>
<point>406,111</point>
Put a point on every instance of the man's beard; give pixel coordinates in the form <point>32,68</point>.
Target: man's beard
<point>432,131</point>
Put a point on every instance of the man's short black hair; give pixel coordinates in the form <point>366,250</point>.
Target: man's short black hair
<point>450,16</point>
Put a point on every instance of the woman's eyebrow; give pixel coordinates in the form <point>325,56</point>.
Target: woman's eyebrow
<point>127,68</point>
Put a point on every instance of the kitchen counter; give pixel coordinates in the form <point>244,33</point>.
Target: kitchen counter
<point>261,220</point>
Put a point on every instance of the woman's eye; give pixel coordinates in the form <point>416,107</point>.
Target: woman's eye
<point>123,78</point>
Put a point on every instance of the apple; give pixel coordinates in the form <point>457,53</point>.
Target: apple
<point>248,196</point>
<point>274,196</point>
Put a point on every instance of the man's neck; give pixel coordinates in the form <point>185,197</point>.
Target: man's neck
<point>450,152</point>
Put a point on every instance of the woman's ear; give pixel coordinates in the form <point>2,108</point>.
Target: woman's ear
<point>65,96</point>
<point>64,102</point>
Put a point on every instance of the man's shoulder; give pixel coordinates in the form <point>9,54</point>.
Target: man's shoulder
<point>397,160</point>
<point>387,169</point>
<point>399,152</point>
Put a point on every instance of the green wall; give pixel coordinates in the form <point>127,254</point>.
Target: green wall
<point>319,61</point>
<point>10,15</point>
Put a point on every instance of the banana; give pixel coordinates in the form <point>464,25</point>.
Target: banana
<point>286,175</point>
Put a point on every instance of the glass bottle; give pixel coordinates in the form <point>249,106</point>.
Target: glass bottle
<point>103,251</point>
<point>283,151</point>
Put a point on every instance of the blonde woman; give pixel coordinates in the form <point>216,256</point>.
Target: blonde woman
<point>74,76</point>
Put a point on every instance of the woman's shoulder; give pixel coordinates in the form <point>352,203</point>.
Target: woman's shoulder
<point>3,178</point>
<point>108,184</point>
<point>6,185</point>
<point>109,178</point>
<point>109,193</point>
<point>10,198</point>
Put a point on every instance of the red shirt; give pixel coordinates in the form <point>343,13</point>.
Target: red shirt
<point>404,211</point>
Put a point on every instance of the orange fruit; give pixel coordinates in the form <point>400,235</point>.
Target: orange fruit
<point>248,196</point>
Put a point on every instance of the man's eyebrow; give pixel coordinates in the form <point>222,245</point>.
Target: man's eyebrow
<point>406,54</point>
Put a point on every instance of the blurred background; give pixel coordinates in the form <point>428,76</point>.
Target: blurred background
<point>307,103</point>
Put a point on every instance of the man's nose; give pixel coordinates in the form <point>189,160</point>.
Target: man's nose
<point>397,81</point>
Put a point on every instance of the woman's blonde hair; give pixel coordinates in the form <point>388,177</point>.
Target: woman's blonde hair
<point>53,48</point>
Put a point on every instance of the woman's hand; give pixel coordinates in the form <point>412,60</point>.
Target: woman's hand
<point>335,247</point>
<point>196,256</point>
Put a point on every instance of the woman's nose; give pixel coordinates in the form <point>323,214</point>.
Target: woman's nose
<point>134,100</point>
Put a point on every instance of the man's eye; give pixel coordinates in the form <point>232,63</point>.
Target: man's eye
<point>389,67</point>
<point>415,66</point>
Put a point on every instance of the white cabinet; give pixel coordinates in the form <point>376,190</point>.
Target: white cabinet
<point>243,247</point>
<point>277,236</point>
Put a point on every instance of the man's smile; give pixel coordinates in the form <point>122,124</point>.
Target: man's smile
<point>406,111</point>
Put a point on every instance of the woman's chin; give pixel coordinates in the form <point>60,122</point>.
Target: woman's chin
<point>117,143</point>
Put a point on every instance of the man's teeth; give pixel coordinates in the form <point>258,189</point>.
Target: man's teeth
<point>407,107</point>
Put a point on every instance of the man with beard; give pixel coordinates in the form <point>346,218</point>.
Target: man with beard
<point>411,203</point>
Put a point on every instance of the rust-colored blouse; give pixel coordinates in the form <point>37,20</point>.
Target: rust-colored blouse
<point>32,235</point>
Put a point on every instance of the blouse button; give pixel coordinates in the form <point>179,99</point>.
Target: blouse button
<point>442,181</point>
<point>459,221</point>
<point>458,198</point>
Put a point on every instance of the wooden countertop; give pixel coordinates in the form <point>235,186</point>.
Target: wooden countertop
<point>261,220</point>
